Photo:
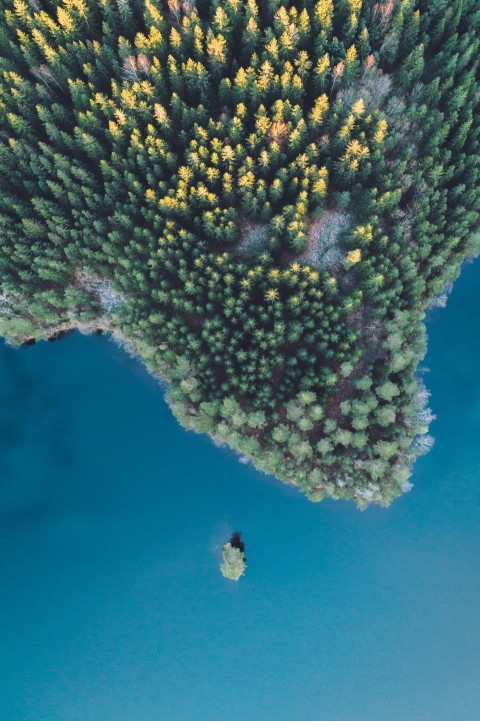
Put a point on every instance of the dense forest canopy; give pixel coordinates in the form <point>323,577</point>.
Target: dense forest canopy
<point>262,197</point>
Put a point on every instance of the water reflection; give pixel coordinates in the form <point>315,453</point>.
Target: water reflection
<point>34,437</point>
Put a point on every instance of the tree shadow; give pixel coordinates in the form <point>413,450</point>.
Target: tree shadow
<point>58,336</point>
<point>236,541</point>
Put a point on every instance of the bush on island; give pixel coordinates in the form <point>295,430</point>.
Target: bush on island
<point>233,565</point>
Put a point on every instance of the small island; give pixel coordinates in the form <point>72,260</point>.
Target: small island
<point>233,556</point>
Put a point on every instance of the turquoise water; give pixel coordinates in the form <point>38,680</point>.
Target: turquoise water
<point>112,607</point>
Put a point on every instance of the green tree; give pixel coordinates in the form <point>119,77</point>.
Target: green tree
<point>233,566</point>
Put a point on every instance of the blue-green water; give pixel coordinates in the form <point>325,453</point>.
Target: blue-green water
<point>112,607</point>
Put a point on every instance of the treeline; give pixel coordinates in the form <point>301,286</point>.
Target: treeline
<point>145,143</point>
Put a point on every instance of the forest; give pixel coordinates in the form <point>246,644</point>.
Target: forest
<point>261,197</point>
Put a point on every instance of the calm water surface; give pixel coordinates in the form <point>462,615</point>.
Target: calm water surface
<point>112,607</point>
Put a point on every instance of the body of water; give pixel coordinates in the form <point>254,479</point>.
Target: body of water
<point>112,606</point>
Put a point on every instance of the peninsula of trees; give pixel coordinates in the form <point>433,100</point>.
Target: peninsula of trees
<point>261,196</point>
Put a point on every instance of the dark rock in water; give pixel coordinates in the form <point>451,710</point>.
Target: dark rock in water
<point>236,541</point>
<point>58,336</point>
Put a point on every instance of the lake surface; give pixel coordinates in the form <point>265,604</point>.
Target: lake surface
<point>112,607</point>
